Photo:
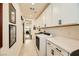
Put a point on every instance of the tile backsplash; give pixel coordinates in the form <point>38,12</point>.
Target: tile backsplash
<point>69,32</point>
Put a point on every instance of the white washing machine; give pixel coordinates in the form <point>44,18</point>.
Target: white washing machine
<point>42,44</point>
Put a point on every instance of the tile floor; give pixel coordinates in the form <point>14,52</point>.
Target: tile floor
<point>28,49</point>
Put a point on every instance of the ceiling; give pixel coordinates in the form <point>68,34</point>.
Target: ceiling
<point>32,11</point>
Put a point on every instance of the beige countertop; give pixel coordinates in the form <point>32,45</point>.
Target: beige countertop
<point>69,45</point>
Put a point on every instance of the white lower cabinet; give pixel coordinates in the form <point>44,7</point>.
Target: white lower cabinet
<point>53,50</point>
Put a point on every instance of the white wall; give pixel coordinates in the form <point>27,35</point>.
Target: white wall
<point>15,49</point>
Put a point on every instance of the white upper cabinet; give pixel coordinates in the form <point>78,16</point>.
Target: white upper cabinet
<point>48,15</point>
<point>36,22</point>
<point>77,13</point>
<point>39,21</point>
<point>56,13</point>
<point>66,12</point>
<point>43,19</point>
<point>69,13</point>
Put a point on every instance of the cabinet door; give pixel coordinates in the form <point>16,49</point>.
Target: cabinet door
<point>41,21</point>
<point>55,14</point>
<point>66,12</point>
<point>38,22</point>
<point>44,22</point>
<point>35,22</point>
<point>77,21</point>
<point>48,16</point>
<point>51,51</point>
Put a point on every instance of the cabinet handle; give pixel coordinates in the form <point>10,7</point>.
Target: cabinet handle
<point>58,49</point>
<point>52,52</point>
<point>49,44</point>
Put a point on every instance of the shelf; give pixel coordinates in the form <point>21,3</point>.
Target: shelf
<point>67,25</point>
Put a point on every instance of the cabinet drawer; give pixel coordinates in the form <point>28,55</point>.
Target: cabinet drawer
<point>62,51</point>
<point>57,48</point>
<point>51,44</point>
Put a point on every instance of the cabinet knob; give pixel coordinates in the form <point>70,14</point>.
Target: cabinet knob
<point>58,49</point>
<point>49,44</point>
<point>52,52</point>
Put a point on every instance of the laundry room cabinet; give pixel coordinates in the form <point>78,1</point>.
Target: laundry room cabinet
<point>48,16</point>
<point>77,13</point>
<point>68,13</point>
<point>64,13</point>
<point>51,51</point>
<point>57,14</point>
<point>39,21</point>
<point>54,50</point>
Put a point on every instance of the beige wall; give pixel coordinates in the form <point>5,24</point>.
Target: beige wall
<point>69,32</point>
<point>14,50</point>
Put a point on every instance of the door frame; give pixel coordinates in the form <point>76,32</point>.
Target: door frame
<point>23,28</point>
<point>23,34</point>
